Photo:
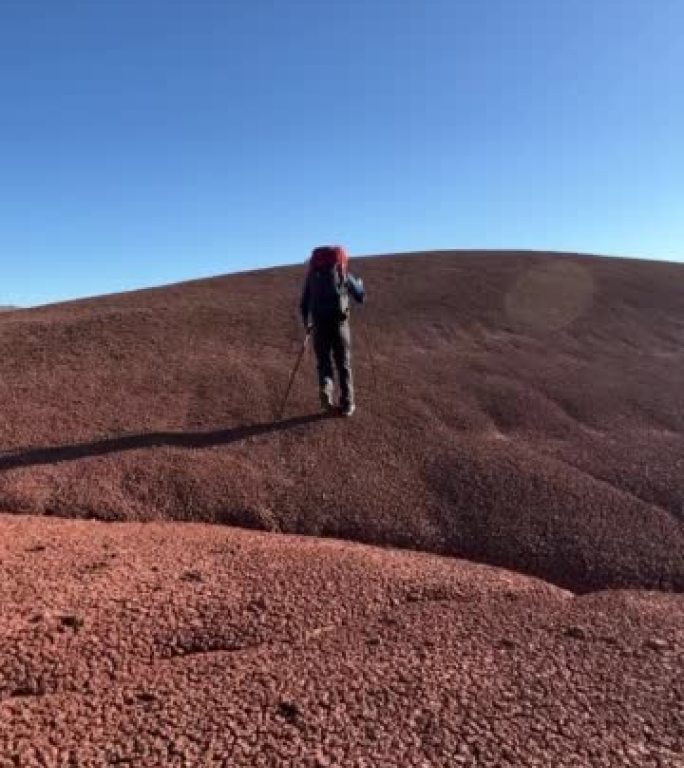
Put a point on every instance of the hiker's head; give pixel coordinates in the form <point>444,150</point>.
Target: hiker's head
<point>328,256</point>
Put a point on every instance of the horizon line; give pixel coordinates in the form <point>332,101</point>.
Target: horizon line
<point>362,256</point>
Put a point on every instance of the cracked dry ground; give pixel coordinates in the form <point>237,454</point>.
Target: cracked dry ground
<point>515,409</point>
<point>189,645</point>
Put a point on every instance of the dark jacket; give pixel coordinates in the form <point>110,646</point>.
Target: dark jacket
<point>353,286</point>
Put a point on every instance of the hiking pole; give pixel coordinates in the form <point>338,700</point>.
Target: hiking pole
<point>294,373</point>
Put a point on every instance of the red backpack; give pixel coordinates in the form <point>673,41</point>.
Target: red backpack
<point>327,284</point>
<point>329,256</point>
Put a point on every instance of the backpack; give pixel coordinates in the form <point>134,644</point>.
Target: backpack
<point>328,295</point>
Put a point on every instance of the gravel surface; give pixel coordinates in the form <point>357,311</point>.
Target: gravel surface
<point>515,409</point>
<point>168,644</point>
<point>521,413</point>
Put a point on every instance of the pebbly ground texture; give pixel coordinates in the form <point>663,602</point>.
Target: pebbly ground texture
<point>193,645</point>
<point>518,409</point>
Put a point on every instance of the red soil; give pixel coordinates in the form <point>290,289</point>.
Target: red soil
<point>188,645</point>
<point>517,409</point>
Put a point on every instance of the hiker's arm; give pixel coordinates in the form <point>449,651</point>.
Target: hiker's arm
<point>356,288</point>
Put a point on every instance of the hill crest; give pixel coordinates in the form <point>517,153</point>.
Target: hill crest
<point>520,409</point>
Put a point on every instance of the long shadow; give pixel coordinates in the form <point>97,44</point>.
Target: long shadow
<point>53,454</point>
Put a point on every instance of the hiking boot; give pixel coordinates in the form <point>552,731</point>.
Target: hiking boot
<point>347,409</point>
<point>326,401</point>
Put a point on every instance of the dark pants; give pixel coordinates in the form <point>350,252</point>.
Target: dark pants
<point>332,341</point>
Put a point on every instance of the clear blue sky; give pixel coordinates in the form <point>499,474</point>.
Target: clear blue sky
<point>149,141</point>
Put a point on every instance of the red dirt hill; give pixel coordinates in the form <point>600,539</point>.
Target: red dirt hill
<point>188,646</point>
<point>519,409</point>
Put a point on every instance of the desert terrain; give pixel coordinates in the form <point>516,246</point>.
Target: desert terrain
<point>483,566</point>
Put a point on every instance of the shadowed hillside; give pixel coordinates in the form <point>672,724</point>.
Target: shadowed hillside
<point>518,409</point>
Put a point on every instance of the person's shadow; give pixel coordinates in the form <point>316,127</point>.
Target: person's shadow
<point>28,457</point>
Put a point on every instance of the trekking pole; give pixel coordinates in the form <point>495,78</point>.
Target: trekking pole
<point>294,373</point>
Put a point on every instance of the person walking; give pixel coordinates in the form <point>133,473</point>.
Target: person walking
<point>325,309</point>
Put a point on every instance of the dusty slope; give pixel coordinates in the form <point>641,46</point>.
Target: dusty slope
<point>526,410</point>
<point>170,645</point>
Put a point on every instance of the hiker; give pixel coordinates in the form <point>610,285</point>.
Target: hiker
<point>325,312</point>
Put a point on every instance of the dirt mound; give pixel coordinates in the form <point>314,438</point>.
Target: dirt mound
<point>189,645</point>
<point>525,410</point>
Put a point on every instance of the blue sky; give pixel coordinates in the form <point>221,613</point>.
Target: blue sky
<point>149,141</point>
